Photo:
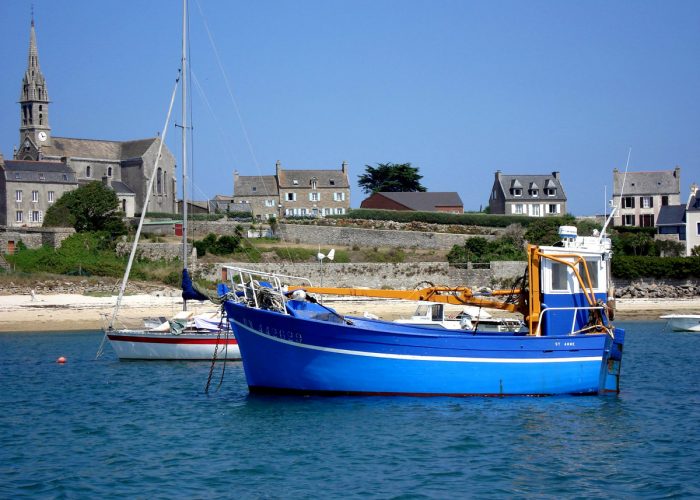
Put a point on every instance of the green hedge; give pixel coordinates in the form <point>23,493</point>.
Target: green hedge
<point>468,219</point>
<point>632,267</point>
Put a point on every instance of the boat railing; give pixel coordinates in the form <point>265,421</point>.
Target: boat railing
<point>251,284</point>
<point>576,310</point>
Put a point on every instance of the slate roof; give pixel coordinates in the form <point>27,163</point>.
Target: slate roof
<point>694,203</point>
<point>121,188</point>
<point>424,201</point>
<point>255,185</point>
<point>650,183</point>
<point>104,150</point>
<point>303,178</point>
<point>671,215</point>
<point>527,182</point>
<point>32,171</point>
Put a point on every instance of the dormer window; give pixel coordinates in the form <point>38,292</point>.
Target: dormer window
<point>42,177</point>
<point>516,192</point>
<point>17,177</point>
<point>534,193</point>
<point>255,188</point>
<point>295,182</point>
<point>332,182</point>
<point>314,183</point>
<point>550,192</point>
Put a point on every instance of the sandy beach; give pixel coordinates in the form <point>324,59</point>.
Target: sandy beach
<point>63,312</point>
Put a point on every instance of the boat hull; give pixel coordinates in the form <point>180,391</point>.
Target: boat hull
<point>282,353</point>
<point>131,344</point>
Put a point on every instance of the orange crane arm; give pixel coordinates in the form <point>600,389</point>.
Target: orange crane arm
<point>447,295</point>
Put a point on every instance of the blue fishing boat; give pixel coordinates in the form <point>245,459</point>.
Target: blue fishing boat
<point>291,343</point>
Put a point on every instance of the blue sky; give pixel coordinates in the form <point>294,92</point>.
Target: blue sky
<point>460,89</point>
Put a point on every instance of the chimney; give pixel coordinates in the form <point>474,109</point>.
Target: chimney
<point>555,175</point>
<point>344,167</point>
<point>677,172</point>
<point>498,175</point>
<point>278,169</point>
<point>235,181</point>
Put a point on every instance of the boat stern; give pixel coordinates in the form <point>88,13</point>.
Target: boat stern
<point>611,382</point>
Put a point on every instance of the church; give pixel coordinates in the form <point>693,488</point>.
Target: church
<point>45,166</point>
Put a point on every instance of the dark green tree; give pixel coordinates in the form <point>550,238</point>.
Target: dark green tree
<point>92,207</point>
<point>391,177</point>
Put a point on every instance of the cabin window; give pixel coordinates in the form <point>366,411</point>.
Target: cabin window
<point>560,275</point>
<point>628,202</point>
<point>593,268</point>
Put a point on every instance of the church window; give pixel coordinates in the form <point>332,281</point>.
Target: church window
<point>41,119</point>
<point>159,181</point>
<point>88,171</point>
<point>165,184</point>
<point>109,171</point>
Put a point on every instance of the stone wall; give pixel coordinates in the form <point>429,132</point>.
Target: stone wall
<point>370,238</point>
<point>385,275</point>
<point>155,251</point>
<point>34,237</point>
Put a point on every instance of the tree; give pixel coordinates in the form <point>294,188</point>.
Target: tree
<point>92,207</point>
<point>391,177</point>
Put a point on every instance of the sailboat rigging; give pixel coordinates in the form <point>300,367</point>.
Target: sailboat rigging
<point>185,336</point>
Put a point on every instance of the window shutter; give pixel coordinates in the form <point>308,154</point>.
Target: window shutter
<point>651,202</point>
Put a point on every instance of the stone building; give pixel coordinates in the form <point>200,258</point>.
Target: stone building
<point>29,188</point>
<point>124,166</point>
<point>532,195</point>
<point>294,193</point>
<point>640,195</point>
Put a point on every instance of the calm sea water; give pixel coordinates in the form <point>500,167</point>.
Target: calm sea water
<point>146,429</point>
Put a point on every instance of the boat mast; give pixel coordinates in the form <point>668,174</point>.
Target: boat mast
<point>184,141</point>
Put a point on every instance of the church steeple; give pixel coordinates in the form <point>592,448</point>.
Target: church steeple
<point>34,127</point>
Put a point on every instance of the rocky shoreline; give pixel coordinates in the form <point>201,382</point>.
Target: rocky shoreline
<point>642,290</point>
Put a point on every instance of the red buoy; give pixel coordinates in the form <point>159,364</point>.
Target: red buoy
<point>61,360</point>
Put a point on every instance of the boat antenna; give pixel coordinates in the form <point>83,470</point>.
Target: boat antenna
<point>622,191</point>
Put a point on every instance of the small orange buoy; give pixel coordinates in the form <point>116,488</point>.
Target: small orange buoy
<point>61,360</point>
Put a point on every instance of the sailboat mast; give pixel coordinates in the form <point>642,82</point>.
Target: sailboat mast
<point>184,141</point>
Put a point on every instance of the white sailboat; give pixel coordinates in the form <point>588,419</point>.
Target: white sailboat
<point>185,336</point>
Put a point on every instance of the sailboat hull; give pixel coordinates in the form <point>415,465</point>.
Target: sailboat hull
<point>135,344</point>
